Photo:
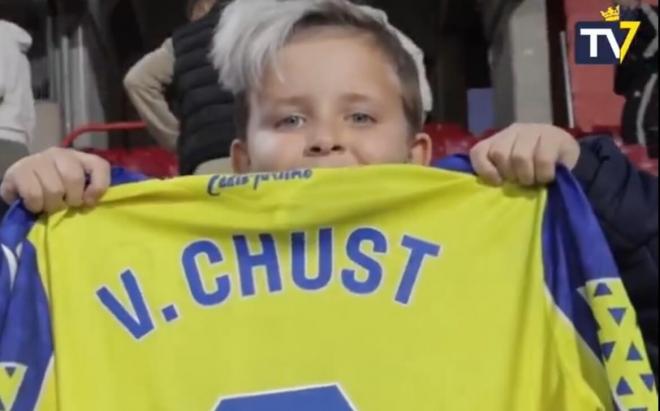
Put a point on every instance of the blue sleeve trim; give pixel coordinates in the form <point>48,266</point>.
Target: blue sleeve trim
<point>120,176</point>
<point>13,232</point>
<point>26,346</point>
<point>459,163</point>
<point>575,253</point>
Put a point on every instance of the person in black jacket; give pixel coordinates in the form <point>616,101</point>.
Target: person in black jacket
<point>205,109</point>
<point>626,203</point>
<point>637,78</point>
<point>197,122</point>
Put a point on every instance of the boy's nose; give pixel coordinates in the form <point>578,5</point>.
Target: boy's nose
<point>323,143</point>
<point>323,150</point>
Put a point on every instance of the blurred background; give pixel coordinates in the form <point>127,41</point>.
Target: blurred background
<point>490,62</point>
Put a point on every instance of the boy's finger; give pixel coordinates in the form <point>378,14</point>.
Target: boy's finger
<point>52,186</point>
<point>522,158</point>
<point>545,161</point>
<point>483,166</point>
<point>72,175</point>
<point>30,190</point>
<point>500,153</point>
<point>99,174</point>
<point>8,190</point>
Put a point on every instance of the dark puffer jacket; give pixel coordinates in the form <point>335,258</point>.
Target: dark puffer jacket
<point>626,203</point>
<point>205,109</point>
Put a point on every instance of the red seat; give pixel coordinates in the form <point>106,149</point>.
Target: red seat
<point>650,166</point>
<point>156,162</point>
<point>639,156</point>
<point>449,139</point>
<point>150,161</point>
<point>614,131</point>
<point>445,129</point>
<point>576,132</point>
<point>636,153</point>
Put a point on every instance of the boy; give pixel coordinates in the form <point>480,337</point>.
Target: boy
<point>322,83</point>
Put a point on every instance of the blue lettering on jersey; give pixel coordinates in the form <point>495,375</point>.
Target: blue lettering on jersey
<point>137,320</point>
<point>299,260</point>
<point>419,250</point>
<point>205,257</point>
<point>248,262</point>
<point>371,265</point>
<point>329,398</point>
<point>191,270</point>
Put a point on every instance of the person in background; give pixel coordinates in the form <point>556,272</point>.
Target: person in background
<point>201,127</point>
<point>17,113</point>
<point>637,78</point>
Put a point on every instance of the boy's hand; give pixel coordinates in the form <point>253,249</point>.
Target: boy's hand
<point>525,154</point>
<point>54,179</point>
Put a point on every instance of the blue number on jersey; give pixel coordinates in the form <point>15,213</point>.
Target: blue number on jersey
<point>328,398</point>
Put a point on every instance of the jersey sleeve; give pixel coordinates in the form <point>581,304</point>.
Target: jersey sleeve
<point>26,348</point>
<point>26,345</point>
<point>586,286</point>
<point>584,283</point>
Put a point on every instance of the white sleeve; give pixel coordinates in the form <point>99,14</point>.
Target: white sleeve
<point>17,114</point>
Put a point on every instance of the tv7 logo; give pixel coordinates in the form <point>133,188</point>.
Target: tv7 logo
<point>604,42</point>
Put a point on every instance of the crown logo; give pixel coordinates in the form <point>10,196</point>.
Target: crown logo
<point>612,14</point>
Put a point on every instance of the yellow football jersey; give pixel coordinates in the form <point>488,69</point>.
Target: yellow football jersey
<point>373,289</point>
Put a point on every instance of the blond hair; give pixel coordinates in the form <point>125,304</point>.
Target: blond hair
<point>252,32</point>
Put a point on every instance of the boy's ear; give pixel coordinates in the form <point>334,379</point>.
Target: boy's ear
<point>421,150</point>
<point>240,159</point>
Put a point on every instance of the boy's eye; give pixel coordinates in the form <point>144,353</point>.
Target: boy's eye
<point>291,122</point>
<point>362,118</point>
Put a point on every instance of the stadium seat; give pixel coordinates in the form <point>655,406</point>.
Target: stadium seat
<point>576,132</point>
<point>636,153</point>
<point>150,161</point>
<point>650,166</point>
<point>614,131</point>
<point>449,139</point>
<point>639,156</point>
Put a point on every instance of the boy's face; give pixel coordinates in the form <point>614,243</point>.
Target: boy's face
<point>337,102</point>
